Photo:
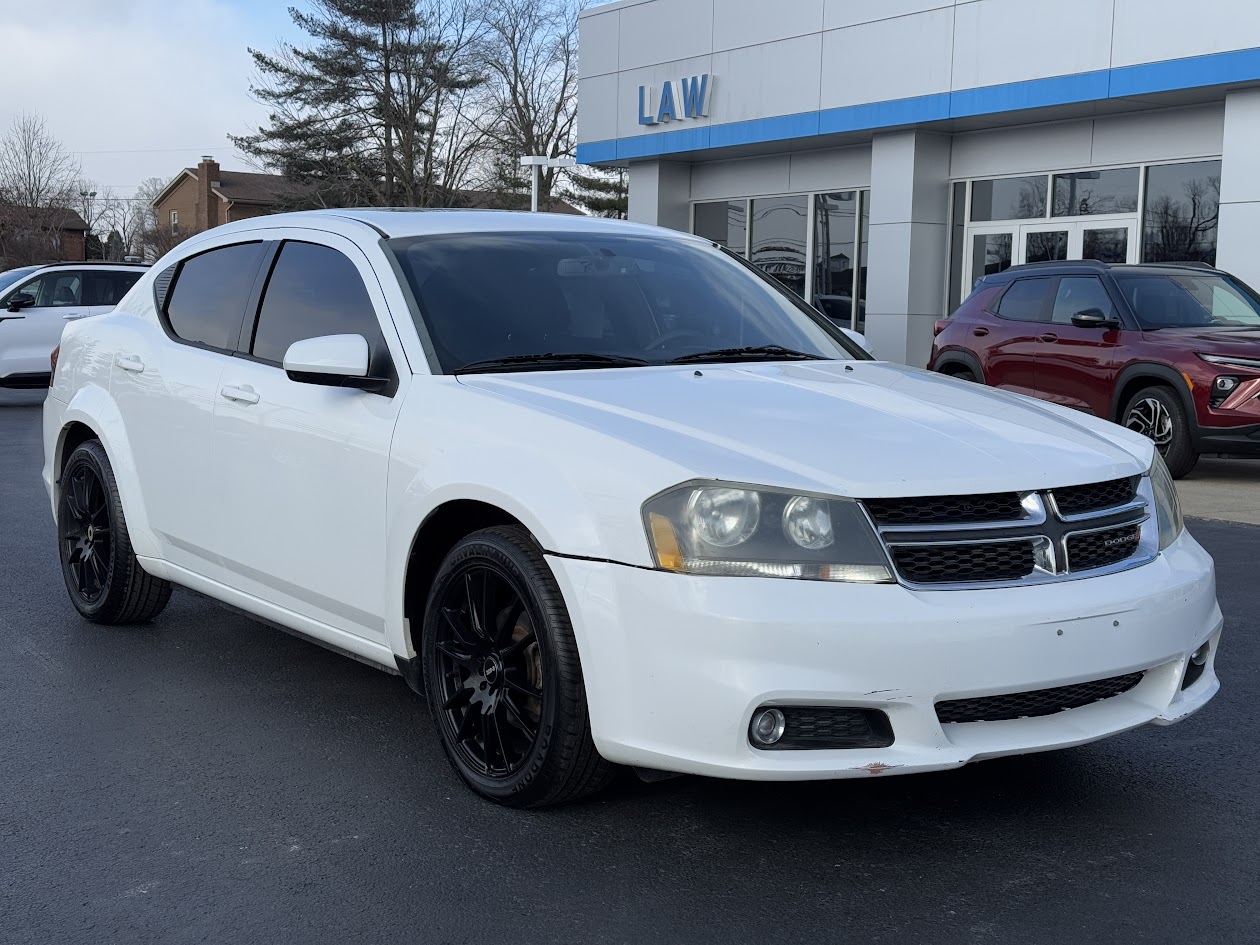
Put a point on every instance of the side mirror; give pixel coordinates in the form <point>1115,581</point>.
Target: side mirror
<point>1094,318</point>
<point>859,339</point>
<point>331,361</point>
<point>20,301</point>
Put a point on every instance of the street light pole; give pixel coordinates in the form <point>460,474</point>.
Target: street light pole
<point>535,163</point>
<point>87,196</point>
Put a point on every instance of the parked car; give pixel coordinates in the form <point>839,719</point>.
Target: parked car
<point>1170,351</point>
<point>607,495</point>
<point>36,302</point>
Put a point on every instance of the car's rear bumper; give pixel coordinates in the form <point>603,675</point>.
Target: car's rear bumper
<point>675,666</point>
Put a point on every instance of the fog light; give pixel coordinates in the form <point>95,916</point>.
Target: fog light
<point>1226,384</point>
<point>767,726</point>
<point>1200,656</point>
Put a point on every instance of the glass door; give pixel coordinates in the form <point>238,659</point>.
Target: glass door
<point>1044,242</point>
<point>1113,241</point>
<point>990,249</point>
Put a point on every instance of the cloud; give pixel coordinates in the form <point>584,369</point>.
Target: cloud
<point>162,80</point>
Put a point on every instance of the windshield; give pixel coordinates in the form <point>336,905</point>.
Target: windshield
<point>539,300</point>
<point>13,275</point>
<point>1189,300</point>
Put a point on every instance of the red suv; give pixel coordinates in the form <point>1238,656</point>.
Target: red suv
<point>1170,350</point>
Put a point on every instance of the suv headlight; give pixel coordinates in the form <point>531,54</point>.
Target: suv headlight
<point>1167,508</point>
<point>736,530</point>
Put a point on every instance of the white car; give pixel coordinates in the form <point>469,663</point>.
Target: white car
<point>37,301</point>
<point>608,496</point>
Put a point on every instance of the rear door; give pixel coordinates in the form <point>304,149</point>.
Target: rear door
<point>29,334</point>
<point>1010,339</point>
<point>1075,366</point>
<point>103,288</point>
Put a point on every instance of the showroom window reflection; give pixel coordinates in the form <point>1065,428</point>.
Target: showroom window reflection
<point>814,244</point>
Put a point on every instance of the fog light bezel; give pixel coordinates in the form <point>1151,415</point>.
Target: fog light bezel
<point>776,734</point>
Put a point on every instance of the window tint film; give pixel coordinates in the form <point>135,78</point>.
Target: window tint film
<point>495,295</point>
<point>1025,300</point>
<point>107,288</point>
<point>312,291</point>
<point>1189,300</point>
<point>207,302</point>
<point>1078,293</point>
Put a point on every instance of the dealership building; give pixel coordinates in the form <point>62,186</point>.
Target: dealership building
<point>879,156</point>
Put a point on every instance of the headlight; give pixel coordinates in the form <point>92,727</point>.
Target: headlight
<point>1167,507</point>
<point>752,531</point>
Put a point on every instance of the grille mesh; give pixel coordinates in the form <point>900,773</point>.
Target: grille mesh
<point>951,564</point>
<point>946,509</point>
<point>834,727</point>
<point>1076,500</point>
<point>1099,549</point>
<point>1039,702</point>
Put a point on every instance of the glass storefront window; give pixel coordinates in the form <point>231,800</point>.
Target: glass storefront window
<point>725,222</point>
<point>835,254</point>
<point>1181,212</point>
<point>990,253</point>
<point>1011,198</point>
<point>1046,246</point>
<point>1090,192</point>
<point>778,239</point>
<point>864,254</point>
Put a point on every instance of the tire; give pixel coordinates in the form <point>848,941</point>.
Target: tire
<point>1157,413</point>
<point>965,374</point>
<point>507,694</point>
<point>105,581</point>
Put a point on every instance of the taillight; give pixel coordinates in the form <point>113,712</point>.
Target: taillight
<point>938,326</point>
<point>53,359</point>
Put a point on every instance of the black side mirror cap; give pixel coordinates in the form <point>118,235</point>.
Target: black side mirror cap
<point>1094,318</point>
<point>20,301</point>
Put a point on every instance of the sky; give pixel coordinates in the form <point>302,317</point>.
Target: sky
<point>139,88</point>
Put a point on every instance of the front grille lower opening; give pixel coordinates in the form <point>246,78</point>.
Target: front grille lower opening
<point>1096,496</point>
<point>964,562</point>
<point>1037,703</point>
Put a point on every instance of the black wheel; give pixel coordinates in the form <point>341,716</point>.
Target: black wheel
<point>1157,413</point>
<point>965,374</point>
<point>105,581</point>
<point>502,675</point>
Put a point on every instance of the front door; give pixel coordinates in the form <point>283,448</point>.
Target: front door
<point>993,248</point>
<point>301,469</point>
<point>32,315</point>
<point>1075,366</point>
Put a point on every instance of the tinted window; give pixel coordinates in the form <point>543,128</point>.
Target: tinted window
<point>1077,293</point>
<point>778,239</point>
<point>1189,300</point>
<point>1011,198</point>
<point>725,222</point>
<point>1026,299</point>
<point>107,288</point>
<point>313,291</point>
<point>990,254</point>
<point>1182,207</point>
<point>208,300</point>
<point>1088,192</point>
<point>495,295</point>
<point>53,288</point>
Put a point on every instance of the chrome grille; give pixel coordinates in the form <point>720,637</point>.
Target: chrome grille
<point>1005,538</point>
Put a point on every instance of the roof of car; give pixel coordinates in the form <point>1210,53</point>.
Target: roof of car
<point>1093,266</point>
<point>91,264</point>
<point>399,222</point>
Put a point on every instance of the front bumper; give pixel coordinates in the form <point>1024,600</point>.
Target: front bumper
<point>675,665</point>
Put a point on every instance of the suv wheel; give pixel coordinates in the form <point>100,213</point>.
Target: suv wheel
<point>1157,413</point>
<point>502,675</point>
<point>105,581</point>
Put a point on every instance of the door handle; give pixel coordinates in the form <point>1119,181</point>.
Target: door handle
<point>73,315</point>
<point>1048,337</point>
<point>241,395</point>
<point>130,363</point>
<point>979,332</point>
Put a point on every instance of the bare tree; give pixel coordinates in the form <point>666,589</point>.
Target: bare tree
<point>154,237</point>
<point>38,179</point>
<point>124,220</point>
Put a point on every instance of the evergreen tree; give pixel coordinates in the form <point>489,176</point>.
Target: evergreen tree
<point>603,193</point>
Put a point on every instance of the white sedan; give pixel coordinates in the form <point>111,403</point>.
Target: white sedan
<point>608,496</point>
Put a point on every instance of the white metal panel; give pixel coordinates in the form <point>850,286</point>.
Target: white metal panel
<point>1155,30</point>
<point>598,49</point>
<point>664,30</point>
<point>628,83</point>
<point>1025,149</point>
<point>999,41</point>
<point>1159,136</point>
<point>829,170</point>
<point>840,13</point>
<point>1240,177</point>
<point>597,108</point>
<point>768,79</point>
<point>745,23</point>
<point>749,177</point>
<point>889,59</point>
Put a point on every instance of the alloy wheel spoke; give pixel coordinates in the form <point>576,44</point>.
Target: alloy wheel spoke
<point>517,718</point>
<point>517,645</point>
<point>462,659</point>
<point>521,687</point>
<point>460,698</point>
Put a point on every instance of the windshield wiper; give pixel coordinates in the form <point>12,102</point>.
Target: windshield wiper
<point>567,359</point>
<point>749,353</point>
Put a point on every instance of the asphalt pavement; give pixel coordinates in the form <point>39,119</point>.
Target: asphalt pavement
<point>207,779</point>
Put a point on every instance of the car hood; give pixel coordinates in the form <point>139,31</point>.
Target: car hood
<point>862,429</point>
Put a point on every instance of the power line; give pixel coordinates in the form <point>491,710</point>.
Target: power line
<point>148,150</point>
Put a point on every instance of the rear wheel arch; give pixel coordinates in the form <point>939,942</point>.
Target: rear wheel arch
<point>953,362</point>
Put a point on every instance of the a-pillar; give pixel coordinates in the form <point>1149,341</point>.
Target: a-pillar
<point>909,239</point>
<point>660,192</point>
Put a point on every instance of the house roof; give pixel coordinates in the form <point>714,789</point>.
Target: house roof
<point>239,187</point>
<point>54,218</point>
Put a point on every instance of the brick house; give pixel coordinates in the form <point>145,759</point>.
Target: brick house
<point>52,234</point>
<point>204,196</point>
